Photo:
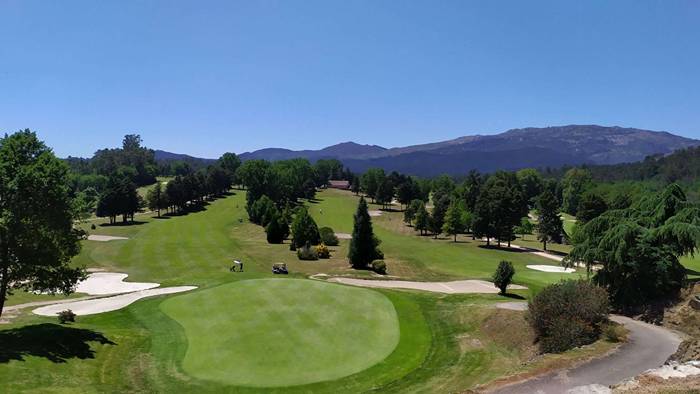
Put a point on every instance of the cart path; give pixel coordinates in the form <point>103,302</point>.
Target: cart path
<point>648,347</point>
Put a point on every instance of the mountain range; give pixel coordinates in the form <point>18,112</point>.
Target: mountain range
<point>510,150</point>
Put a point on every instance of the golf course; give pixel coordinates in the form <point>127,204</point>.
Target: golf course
<point>252,331</point>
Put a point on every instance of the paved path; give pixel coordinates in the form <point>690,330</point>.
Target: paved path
<point>455,287</point>
<point>648,347</point>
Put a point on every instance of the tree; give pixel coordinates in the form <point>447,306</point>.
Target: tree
<point>309,189</point>
<point>407,191</point>
<point>364,245</point>
<point>503,276</point>
<point>437,216</point>
<point>499,208</point>
<point>355,185</point>
<point>422,219</point>
<point>549,224</point>
<point>453,220</point>
<point>37,237</point>
<point>590,207</point>
<point>277,229</point>
<point>371,180</point>
<point>385,193</point>
<point>576,181</point>
<point>304,229</point>
<point>156,198</point>
<point>639,248</point>
<point>230,162</point>
<point>532,184</point>
<point>526,227</point>
<point>410,213</point>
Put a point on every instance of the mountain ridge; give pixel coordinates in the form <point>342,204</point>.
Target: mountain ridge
<point>552,146</point>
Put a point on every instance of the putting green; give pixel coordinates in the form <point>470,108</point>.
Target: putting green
<point>283,332</point>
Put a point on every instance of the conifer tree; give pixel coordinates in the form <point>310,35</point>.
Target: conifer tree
<point>364,246</point>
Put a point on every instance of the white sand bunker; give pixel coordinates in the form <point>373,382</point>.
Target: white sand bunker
<point>107,304</point>
<point>551,268</point>
<point>104,238</point>
<point>343,236</point>
<point>455,287</point>
<point>103,283</point>
<point>375,213</point>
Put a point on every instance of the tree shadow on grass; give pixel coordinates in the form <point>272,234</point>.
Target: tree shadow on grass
<point>54,342</point>
<point>503,248</point>
<point>513,296</point>
<point>123,224</point>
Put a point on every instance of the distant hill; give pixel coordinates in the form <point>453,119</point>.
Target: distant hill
<point>511,150</point>
<point>345,150</point>
<point>164,156</point>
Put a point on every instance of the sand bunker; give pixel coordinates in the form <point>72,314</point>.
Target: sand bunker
<point>104,238</point>
<point>551,268</point>
<point>104,283</point>
<point>455,287</point>
<point>375,213</point>
<point>343,235</point>
<point>107,304</point>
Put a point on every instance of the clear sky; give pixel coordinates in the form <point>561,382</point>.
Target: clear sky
<point>204,77</point>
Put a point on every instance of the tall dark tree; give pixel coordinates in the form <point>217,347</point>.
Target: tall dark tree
<point>37,237</point>
<point>549,224</point>
<point>532,184</point>
<point>364,245</point>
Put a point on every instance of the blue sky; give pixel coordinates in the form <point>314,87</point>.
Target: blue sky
<point>204,77</point>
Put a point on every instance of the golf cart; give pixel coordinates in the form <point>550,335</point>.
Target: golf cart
<point>279,268</point>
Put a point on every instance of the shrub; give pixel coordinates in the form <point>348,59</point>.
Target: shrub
<point>568,314</point>
<point>503,275</point>
<point>614,333</point>
<point>379,266</point>
<point>322,251</point>
<point>307,252</point>
<point>328,236</point>
<point>304,229</point>
<point>93,226</point>
<point>66,316</point>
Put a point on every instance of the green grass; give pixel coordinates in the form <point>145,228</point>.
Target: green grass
<point>178,343</point>
<point>423,258</point>
<point>283,332</point>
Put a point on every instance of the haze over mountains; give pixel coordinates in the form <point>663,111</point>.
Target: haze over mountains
<point>511,150</point>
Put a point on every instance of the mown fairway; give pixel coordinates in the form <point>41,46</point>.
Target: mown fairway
<point>283,332</point>
<point>238,333</point>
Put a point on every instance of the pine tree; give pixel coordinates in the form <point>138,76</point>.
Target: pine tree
<point>364,244</point>
<point>549,226</point>
<point>453,220</point>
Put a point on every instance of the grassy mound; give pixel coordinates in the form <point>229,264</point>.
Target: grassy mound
<point>283,332</point>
